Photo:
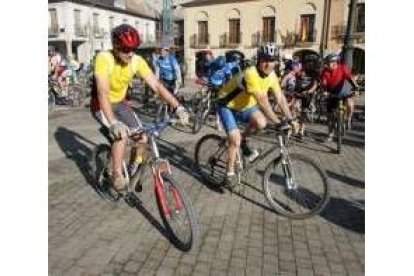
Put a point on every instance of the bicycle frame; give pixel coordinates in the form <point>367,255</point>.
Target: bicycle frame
<point>282,151</point>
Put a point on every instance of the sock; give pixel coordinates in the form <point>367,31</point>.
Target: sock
<point>139,160</point>
<point>230,174</point>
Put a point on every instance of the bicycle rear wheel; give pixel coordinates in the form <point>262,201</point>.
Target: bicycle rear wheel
<point>297,188</point>
<point>180,218</point>
<point>211,156</point>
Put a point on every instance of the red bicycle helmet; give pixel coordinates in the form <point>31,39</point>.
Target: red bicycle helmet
<point>125,37</point>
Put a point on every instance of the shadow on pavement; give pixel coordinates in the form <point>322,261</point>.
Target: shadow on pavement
<point>346,213</point>
<point>134,202</point>
<point>78,149</point>
<point>345,179</point>
<point>176,156</point>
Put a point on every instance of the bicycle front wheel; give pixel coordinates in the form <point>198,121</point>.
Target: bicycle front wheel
<point>296,188</point>
<point>339,133</point>
<point>177,214</point>
<point>211,156</point>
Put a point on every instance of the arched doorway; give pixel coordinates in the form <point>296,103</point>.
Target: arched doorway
<point>303,54</point>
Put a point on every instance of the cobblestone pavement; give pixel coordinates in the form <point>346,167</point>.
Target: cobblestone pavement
<point>239,235</point>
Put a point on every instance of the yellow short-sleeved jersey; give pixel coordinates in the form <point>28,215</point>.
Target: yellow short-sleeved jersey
<point>250,83</point>
<point>119,75</point>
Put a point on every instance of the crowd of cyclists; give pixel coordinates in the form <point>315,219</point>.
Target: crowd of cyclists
<point>242,90</point>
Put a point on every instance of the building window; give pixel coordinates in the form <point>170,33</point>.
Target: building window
<point>147,33</point>
<point>111,22</point>
<point>79,29</point>
<point>95,21</point>
<point>360,18</point>
<point>307,23</point>
<point>234,31</point>
<point>202,32</point>
<point>53,22</point>
<point>269,29</point>
<point>137,26</point>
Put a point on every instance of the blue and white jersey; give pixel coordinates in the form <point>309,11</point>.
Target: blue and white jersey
<point>167,68</point>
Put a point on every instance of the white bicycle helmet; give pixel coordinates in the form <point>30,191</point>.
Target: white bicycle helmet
<point>268,51</point>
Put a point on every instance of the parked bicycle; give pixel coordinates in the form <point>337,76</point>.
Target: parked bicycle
<point>173,202</point>
<point>164,111</point>
<point>73,96</point>
<point>294,185</point>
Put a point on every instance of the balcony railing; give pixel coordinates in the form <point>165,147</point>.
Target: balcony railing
<point>98,32</point>
<point>81,31</point>
<point>259,38</point>
<point>305,41</point>
<point>338,33</point>
<point>197,41</point>
<point>53,31</point>
<point>236,40</point>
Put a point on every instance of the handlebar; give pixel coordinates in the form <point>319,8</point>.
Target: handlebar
<point>152,129</point>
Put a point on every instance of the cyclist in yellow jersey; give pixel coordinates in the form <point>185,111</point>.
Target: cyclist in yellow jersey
<point>113,72</point>
<point>245,99</point>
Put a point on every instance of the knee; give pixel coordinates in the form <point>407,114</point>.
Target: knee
<point>259,122</point>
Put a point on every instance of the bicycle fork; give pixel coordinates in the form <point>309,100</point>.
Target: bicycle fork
<point>159,168</point>
<point>286,166</point>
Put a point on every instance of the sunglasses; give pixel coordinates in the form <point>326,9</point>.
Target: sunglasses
<point>267,59</point>
<point>125,50</point>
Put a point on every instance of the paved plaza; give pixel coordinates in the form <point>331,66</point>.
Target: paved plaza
<point>239,235</point>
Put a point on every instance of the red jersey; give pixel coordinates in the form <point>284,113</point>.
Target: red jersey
<point>334,80</point>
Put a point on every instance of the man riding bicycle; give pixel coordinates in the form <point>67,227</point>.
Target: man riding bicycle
<point>299,85</point>
<point>113,72</point>
<point>334,79</point>
<point>245,99</point>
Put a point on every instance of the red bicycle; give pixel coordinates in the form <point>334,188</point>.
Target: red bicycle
<point>173,202</point>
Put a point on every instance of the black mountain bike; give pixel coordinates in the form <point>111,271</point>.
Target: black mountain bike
<point>294,185</point>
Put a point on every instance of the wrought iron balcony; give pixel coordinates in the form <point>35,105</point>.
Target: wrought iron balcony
<point>229,41</point>
<point>197,41</point>
<point>259,38</point>
<point>53,31</point>
<point>81,31</point>
<point>98,32</point>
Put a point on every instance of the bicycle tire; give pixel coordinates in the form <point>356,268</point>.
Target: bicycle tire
<point>200,115</point>
<point>169,185</point>
<point>285,209</point>
<point>213,161</point>
<point>100,167</point>
<point>339,124</point>
<point>51,100</point>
